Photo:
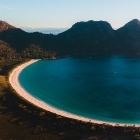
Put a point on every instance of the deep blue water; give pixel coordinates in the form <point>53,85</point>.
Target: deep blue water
<point>105,88</point>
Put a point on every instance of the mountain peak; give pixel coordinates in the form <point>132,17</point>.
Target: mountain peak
<point>91,23</point>
<point>5,26</point>
<point>90,27</point>
<point>133,24</point>
<point>135,21</point>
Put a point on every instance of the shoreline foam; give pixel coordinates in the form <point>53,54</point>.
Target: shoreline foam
<point>13,80</point>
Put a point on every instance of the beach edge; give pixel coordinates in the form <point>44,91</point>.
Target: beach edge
<point>14,83</point>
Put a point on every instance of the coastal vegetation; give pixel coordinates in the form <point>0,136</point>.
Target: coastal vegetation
<point>22,120</point>
<point>7,53</point>
<point>92,37</point>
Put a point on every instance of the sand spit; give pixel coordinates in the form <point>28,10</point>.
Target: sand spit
<point>13,80</point>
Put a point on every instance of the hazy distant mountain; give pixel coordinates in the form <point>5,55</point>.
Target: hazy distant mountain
<point>92,37</point>
<point>54,31</point>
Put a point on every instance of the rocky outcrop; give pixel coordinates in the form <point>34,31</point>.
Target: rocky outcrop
<point>5,26</point>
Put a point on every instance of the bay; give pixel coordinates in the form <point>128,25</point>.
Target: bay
<point>105,88</point>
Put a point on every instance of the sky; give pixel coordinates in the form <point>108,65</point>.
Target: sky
<point>64,13</point>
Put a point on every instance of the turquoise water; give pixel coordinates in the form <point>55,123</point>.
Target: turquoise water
<point>105,88</point>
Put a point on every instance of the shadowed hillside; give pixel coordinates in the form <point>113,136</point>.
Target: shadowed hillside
<point>92,37</point>
<point>129,37</point>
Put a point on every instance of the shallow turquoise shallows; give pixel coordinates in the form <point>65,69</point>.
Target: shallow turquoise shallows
<point>105,88</point>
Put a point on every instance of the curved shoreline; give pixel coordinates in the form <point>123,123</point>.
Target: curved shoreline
<point>13,80</point>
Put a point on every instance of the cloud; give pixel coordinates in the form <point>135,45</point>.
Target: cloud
<point>4,7</point>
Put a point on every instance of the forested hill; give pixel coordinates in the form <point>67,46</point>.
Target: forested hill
<point>92,37</point>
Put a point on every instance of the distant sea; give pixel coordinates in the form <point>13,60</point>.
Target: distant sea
<point>54,31</point>
<point>105,88</point>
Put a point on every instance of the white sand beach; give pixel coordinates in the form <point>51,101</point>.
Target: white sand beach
<point>13,80</point>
